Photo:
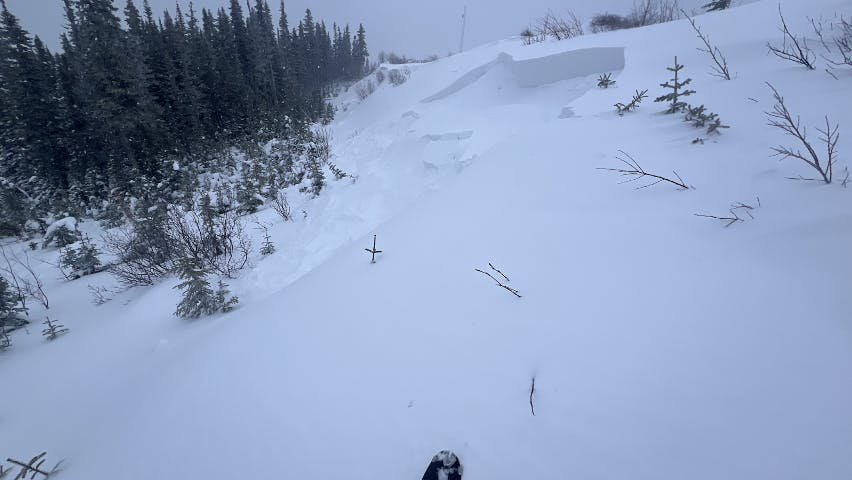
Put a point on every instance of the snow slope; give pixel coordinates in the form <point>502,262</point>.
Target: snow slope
<point>663,345</point>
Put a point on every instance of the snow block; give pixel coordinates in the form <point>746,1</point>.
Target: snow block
<point>537,72</point>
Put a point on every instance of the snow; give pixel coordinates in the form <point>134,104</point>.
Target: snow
<point>662,344</point>
<point>68,222</point>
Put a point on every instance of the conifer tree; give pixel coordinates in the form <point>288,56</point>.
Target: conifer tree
<point>676,85</point>
<point>224,301</point>
<point>9,302</point>
<point>198,297</point>
<point>123,102</point>
<point>359,53</point>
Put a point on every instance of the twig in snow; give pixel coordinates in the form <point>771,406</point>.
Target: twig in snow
<point>634,170</point>
<point>34,466</point>
<point>728,220</point>
<point>733,216</point>
<point>498,282</point>
<point>532,391</point>
<point>792,49</point>
<point>721,64</point>
<point>498,271</point>
<point>781,118</point>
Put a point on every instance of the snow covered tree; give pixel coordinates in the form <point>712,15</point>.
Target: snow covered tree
<point>62,236</point>
<point>9,302</point>
<point>80,261</point>
<point>360,53</point>
<point>198,297</point>
<point>224,302</point>
<point>676,85</point>
<point>716,5</point>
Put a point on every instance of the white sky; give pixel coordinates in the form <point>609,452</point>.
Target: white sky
<point>413,28</point>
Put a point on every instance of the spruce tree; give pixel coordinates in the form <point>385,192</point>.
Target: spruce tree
<point>676,85</point>
<point>224,301</point>
<point>359,53</point>
<point>198,297</point>
<point>9,302</point>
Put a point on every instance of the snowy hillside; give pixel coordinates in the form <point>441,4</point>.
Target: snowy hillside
<point>663,345</point>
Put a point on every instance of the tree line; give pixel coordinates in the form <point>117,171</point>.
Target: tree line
<point>126,100</point>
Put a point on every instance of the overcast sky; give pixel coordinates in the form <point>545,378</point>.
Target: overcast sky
<point>413,28</point>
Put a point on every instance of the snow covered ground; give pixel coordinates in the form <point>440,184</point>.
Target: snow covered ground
<point>663,345</point>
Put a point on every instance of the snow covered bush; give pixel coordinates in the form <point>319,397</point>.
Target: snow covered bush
<point>397,77</point>
<point>80,261</point>
<point>61,233</point>
<point>10,311</point>
<point>365,89</point>
<point>8,300</point>
<point>144,251</point>
<point>219,241</point>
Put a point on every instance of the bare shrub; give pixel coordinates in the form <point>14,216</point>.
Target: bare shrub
<point>282,206</point>
<point>605,22</point>
<point>380,76</point>
<point>148,250</point>
<point>651,12</point>
<point>365,89</point>
<point>838,50</point>
<point>218,241</point>
<point>144,251</point>
<point>397,77</point>
<point>22,278</point>
<point>781,118</point>
<point>720,64</point>
<point>643,13</point>
<point>558,28</point>
<point>793,49</point>
<point>529,37</point>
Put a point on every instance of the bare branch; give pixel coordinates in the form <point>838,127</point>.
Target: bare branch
<point>792,49</point>
<point>635,172</point>
<point>728,220</point>
<point>498,282</point>
<point>781,118</point>
<point>720,69</point>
